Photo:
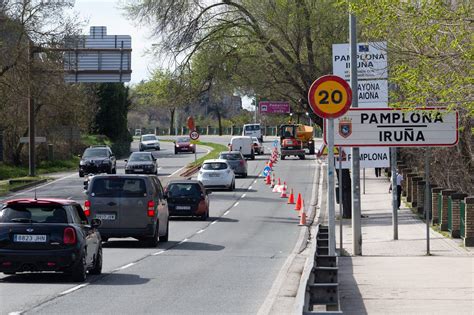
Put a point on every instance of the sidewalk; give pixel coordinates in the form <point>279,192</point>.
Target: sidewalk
<point>396,277</point>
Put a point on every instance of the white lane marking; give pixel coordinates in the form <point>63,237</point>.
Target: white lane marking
<point>236,204</point>
<point>254,181</point>
<point>176,171</point>
<point>44,185</point>
<point>160,168</point>
<point>77,287</point>
<point>250,188</point>
<point>227,212</point>
<point>214,222</point>
<point>158,253</point>
<point>69,197</point>
<point>243,196</point>
<point>15,313</point>
<point>183,241</point>
<point>200,231</point>
<point>124,267</point>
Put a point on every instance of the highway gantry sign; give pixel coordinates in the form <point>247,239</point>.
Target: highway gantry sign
<point>330,96</point>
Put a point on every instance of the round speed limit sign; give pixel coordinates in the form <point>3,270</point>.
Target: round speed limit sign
<point>194,135</point>
<point>330,96</point>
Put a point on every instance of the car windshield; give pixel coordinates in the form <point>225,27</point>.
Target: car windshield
<point>252,127</point>
<point>118,187</point>
<point>95,152</point>
<point>184,189</point>
<point>140,157</point>
<point>182,140</point>
<point>148,138</point>
<point>214,166</point>
<point>22,213</point>
<point>230,156</point>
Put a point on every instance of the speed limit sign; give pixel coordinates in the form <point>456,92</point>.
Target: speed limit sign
<point>330,96</point>
<point>194,135</point>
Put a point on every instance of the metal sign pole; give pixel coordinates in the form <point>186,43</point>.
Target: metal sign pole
<point>393,161</point>
<point>341,214</point>
<point>331,210</point>
<point>427,199</point>
<point>195,152</point>
<point>31,114</point>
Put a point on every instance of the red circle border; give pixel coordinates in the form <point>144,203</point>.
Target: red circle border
<point>321,80</point>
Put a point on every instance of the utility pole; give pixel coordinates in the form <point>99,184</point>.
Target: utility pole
<point>356,211</point>
<point>393,162</point>
<point>427,201</point>
<point>31,114</point>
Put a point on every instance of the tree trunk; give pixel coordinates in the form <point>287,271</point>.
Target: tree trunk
<point>172,111</point>
<point>219,120</point>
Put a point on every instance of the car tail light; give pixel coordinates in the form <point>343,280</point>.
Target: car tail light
<point>87,208</point>
<point>242,162</point>
<point>6,263</point>
<point>69,236</point>
<point>151,208</point>
<point>51,264</point>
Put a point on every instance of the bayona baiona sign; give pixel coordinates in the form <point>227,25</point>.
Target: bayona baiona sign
<point>396,127</point>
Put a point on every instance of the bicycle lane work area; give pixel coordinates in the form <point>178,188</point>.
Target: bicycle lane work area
<point>396,276</point>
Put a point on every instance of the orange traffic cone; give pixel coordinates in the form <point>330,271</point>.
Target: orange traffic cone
<point>298,203</point>
<point>279,182</point>
<point>302,217</point>
<point>268,180</point>
<point>291,199</point>
<point>270,164</point>
<point>273,181</point>
<point>283,191</point>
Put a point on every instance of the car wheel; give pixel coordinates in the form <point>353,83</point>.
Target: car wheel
<point>153,241</point>
<point>282,157</point>
<point>205,216</point>
<point>81,174</point>
<point>105,239</point>
<point>164,238</point>
<point>114,171</point>
<point>9,273</point>
<point>97,269</point>
<point>245,174</point>
<point>79,271</point>
<point>175,151</point>
<point>158,149</point>
<point>302,157</point>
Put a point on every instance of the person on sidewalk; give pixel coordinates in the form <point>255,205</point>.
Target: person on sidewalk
<point>378,171</point>
<point>399,188</point>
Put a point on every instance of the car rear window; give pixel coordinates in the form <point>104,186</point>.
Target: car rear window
<point>214,166</point>
<point>252,127</point>
<point>33,214</point>
<point>230,156</point>
<point>95,153</point>
<point>118,187</point>
<point>148,138</point>
<point>183,189</point>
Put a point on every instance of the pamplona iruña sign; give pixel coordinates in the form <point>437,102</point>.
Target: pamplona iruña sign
<point>396,127</point>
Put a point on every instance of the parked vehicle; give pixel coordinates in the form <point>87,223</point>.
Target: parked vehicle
<point>253,130</point>
<point>97,159</point>
<point>294,139</point>
<point>48,235</point>
<point>129,206</point>
<point>148,142</point>
<point>183,144</point>
<point>236,160</point>
<point>141,163</point>
<point>217,173</point>
<point>187,198</point>
<point>257,146</point>
<point>243,144</point>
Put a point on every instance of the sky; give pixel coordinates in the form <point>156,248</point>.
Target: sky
<point>108,13</point>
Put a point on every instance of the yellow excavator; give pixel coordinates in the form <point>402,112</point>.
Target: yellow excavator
<point>294,139</point>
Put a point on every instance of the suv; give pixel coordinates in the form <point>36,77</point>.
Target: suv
<point>129,206</point>
<point>149,141</point>
<point>97,159</point>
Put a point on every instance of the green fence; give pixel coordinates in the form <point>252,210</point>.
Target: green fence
<point>462,210</point>
<point>450,214</point>
<point>440,206</point>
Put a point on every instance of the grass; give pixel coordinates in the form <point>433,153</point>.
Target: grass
<point>44,167</point>
<point>6,187</point>
<point>216,149</point>
<point>89,140</point>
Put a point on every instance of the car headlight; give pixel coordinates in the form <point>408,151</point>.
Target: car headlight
<point>105,162</point>
<point>177,145</point>
<point>81,162</point>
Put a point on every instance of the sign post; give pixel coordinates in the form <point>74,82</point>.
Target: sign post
<point>330,97</point>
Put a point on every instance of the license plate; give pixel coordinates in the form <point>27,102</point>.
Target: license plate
<point>105,216</point>
<point>183,207</point>
<point>289,148</point>
<point>138,170</point>
<point>23,238</point>
<point>213,175</point>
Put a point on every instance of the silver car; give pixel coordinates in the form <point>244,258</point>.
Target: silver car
<point>236,161</point>
<point>148,142</point>
<point>129,206</point>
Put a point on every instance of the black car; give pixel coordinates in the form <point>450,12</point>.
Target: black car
<point>48,235</point>
<point>187,198</point>
<point>141,163</point>
<point>97,159</point>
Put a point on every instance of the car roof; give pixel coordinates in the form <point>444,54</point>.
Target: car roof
<point>184,181</point>
<point>141,153</point>
<point>233,152</point>
<point>122,176</point>
<point>215,161</point>
<point>149,134</point>
<point>44,201</point>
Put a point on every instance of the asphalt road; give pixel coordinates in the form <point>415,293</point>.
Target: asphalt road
<point>224,265</point>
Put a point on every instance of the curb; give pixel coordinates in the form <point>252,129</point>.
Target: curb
<point>28,185</point>
<point>190,171</point>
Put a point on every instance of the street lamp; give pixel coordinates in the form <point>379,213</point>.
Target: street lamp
<point>309,117</point>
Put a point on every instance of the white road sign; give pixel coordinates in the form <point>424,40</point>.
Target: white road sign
<point>371,60</point>
<point>372,93</point>
<point>396,127</point>
<point>37,139</point>
<point>369,157</point>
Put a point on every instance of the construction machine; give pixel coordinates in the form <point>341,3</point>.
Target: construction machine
<point>294,139</point>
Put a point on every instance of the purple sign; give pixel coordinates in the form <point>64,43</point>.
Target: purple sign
<point>274,107</point>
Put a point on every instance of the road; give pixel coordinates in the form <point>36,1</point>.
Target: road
<point>224,265</point>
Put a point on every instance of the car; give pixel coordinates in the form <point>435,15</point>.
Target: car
<point>257,146</point>
<point>243,144</point>
<point>149,141</point>
<point>217,173</point>
<point>97,159</point>
<point>49,235</point>
<point>141,163</point>
<point>187,198</point>
<point>236,160</point>
<point>183,144</point>
<point>253,130</point>
<point>129,205</point>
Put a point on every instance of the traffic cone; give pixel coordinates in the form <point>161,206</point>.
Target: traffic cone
<point>302,217</point>
<point>283,191</point>
<point>268,181</point>
<point>298,203</point>
<point>291,199</point>
<point>279,182</point>
<point>270,163</point>
<point>273,181</point>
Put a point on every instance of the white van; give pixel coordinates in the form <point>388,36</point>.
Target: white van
<point>244,145</point>
<point>252,130</point>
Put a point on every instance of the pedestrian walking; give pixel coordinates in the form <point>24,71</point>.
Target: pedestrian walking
<point>399,188</point>
<point>378,171</point>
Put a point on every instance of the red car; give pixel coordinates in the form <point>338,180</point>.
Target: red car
<point>184,144</point>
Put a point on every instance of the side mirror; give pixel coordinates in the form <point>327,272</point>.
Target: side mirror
<point>126,161</point>
<point>208,192</point>
<point>95,223</point>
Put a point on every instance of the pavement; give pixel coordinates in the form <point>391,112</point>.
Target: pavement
<point>396,276</point>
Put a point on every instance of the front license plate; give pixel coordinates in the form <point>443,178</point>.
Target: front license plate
<point>23,238</point>
<point>213,175</point>
<point>183,207</point>
<point>138,170</point>
<point>105,216</point>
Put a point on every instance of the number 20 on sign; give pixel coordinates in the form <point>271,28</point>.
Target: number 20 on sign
<point>330,96</point>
